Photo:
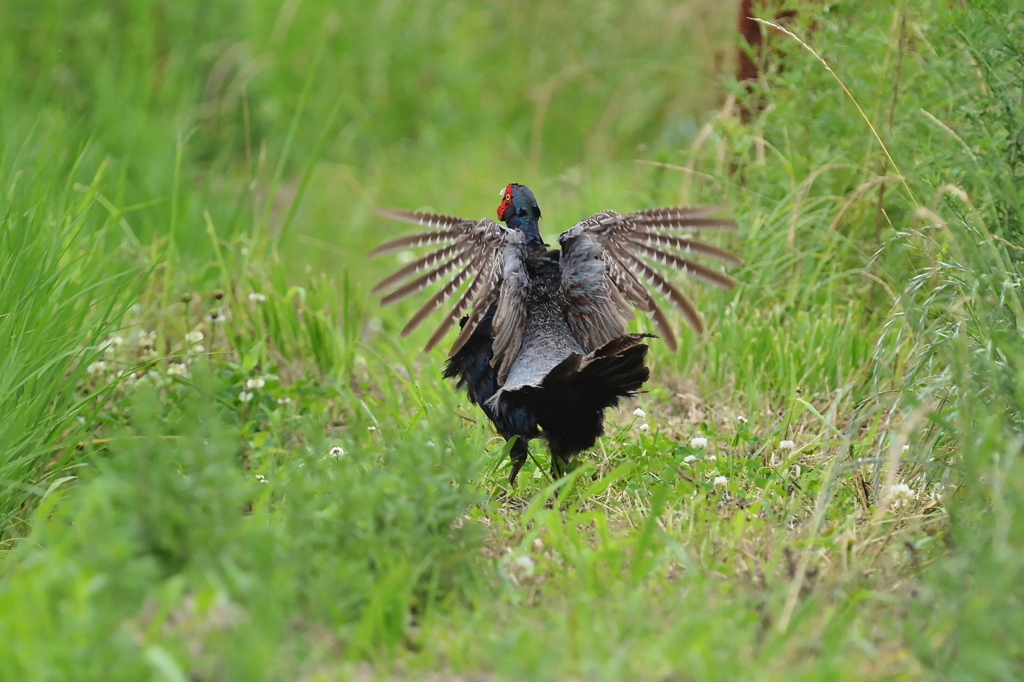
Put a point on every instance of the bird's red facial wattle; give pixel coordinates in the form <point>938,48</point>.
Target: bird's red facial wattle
<point>506,203</point>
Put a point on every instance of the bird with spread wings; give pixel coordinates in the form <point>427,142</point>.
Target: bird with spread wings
<point>543,346</point>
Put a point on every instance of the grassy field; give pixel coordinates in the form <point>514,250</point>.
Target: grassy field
<point>220,461</point>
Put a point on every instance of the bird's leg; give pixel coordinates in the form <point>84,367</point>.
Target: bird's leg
<point>518,455</point>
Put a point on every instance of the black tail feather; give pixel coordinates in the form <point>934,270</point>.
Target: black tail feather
<point>570,403</point>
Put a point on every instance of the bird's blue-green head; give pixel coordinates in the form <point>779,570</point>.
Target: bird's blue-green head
<point>519,210</point>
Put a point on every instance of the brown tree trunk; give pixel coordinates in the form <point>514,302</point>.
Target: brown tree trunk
<point>750,30</point>
<point>751,57</point>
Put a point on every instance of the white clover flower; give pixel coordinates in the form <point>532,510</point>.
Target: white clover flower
<point>371,428</point>
<point>698,442</point>
<point>194,336</point>
<point>639,413</point>
<point>786,445</point>
<point>741,419</point>
<point>260,478</point>
<point>901,494</point>
<point>430,444</point>
<point>711,458</point>
<point>255,384</point>
<point>525,565</point>
<point>721,481</point>
<point>111,345</point>
<point>178,369</point>
<point>690,459</point>
<point>284,400</point>
<point>147,344</point>
<point>97,367</point>
<point>217,316</point>
<point>257,297</point>
<point>245,396</point>
<point>645,426</point>
<point>337,452</point>
<point>906,447</point>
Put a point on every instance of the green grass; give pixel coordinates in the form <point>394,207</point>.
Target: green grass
<point>59,301</point>
<point>221,461</point>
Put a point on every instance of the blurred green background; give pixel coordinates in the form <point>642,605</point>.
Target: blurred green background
<point>248,107</point>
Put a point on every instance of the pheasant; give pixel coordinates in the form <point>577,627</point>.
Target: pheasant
<point>543,348</point>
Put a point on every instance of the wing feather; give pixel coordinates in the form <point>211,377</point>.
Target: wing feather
<point>446,222</point>
<point>668,290</point>
<point>420,283</point>
<point>417,266</point>
<point>681,217</point>
<point>685,265</point>
<point>624,242</point>
<point>686,223</point>
<point>435,301</point>
<point>589,284</point>
<point>686,245</point>
<point>481,302</point>
<point>452,229</point>
<point>456,312</point>
<point>677,211</point>
<point>510,315</point>
<point>473,256</point>
<point>642,298</point>
<point>475,318</point>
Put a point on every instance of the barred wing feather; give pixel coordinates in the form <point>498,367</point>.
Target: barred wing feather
<point>510,316</point>
<point>604,263</point>
<point>596,314</point>
<point>473,254</point>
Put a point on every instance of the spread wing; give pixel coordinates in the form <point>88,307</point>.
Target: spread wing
<point>481,253</point>
<point>605,268</point>
<point>510,315</point>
